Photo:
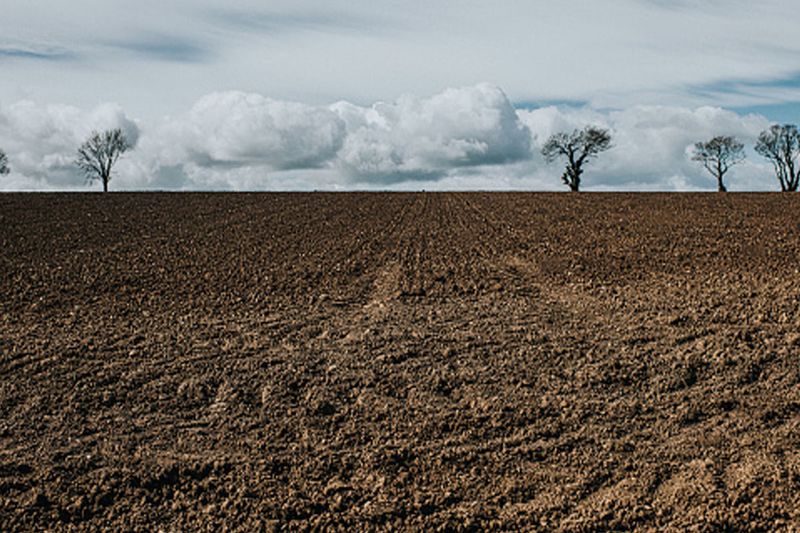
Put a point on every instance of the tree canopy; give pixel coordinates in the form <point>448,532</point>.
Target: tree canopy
<point>4,163</point>
<point>718,156</point>
<point>97,156</point>
<point>780,144</point>
<point>578,147</point>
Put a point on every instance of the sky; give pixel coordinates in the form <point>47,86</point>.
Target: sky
<point>384,94</point>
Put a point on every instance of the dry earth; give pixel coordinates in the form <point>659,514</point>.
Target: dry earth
<point>568,362</point>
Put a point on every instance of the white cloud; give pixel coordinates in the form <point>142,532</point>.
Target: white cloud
<point>465,138</point>
<point>234,129</point>
<point>427,138</point>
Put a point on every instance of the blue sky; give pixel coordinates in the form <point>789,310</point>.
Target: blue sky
<point>777,113</point>
<point>156,60</point>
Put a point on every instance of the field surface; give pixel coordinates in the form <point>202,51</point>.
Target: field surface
<point>567,362</point>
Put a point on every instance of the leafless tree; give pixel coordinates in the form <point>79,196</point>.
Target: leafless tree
<point>718,156</point>
<point>4,163</point>
<point>578,147</point>
<point>780,144</point>
<point>97,156</point>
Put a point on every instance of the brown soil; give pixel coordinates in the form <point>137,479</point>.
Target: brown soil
<point>571,362</point>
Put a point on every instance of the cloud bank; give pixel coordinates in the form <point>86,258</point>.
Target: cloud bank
<point>462,138</point>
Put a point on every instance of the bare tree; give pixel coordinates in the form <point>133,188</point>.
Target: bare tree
<point>718,156</point>
<point>4,164</point>
<point>578,147</point>
<point>97,156</point>
<point>780,144</point>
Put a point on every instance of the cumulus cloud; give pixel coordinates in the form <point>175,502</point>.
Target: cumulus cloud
<point>426,138</point>
<point>241,140</point>
<point>235,129</point>
<point>464,138</point>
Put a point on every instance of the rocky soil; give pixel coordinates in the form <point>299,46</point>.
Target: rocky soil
<point>554,362</point>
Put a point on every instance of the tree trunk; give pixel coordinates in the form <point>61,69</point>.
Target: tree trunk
<point>105,185</point>
<point>720,173</point>
<point>574,173</point>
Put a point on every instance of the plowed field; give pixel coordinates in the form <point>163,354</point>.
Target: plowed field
<point>568,362</point>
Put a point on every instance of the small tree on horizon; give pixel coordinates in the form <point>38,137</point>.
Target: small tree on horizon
<point>718,156</point>
<point>578,147</point>
<point>780,144</point>
<point>97,156</point>
<point>4,163</point>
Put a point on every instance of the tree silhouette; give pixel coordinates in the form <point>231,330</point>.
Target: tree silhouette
<point>4,163</point>
<point>718,156</point>
<point>780,144</point>
<point>97,156</point>
<point>578,147</point>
